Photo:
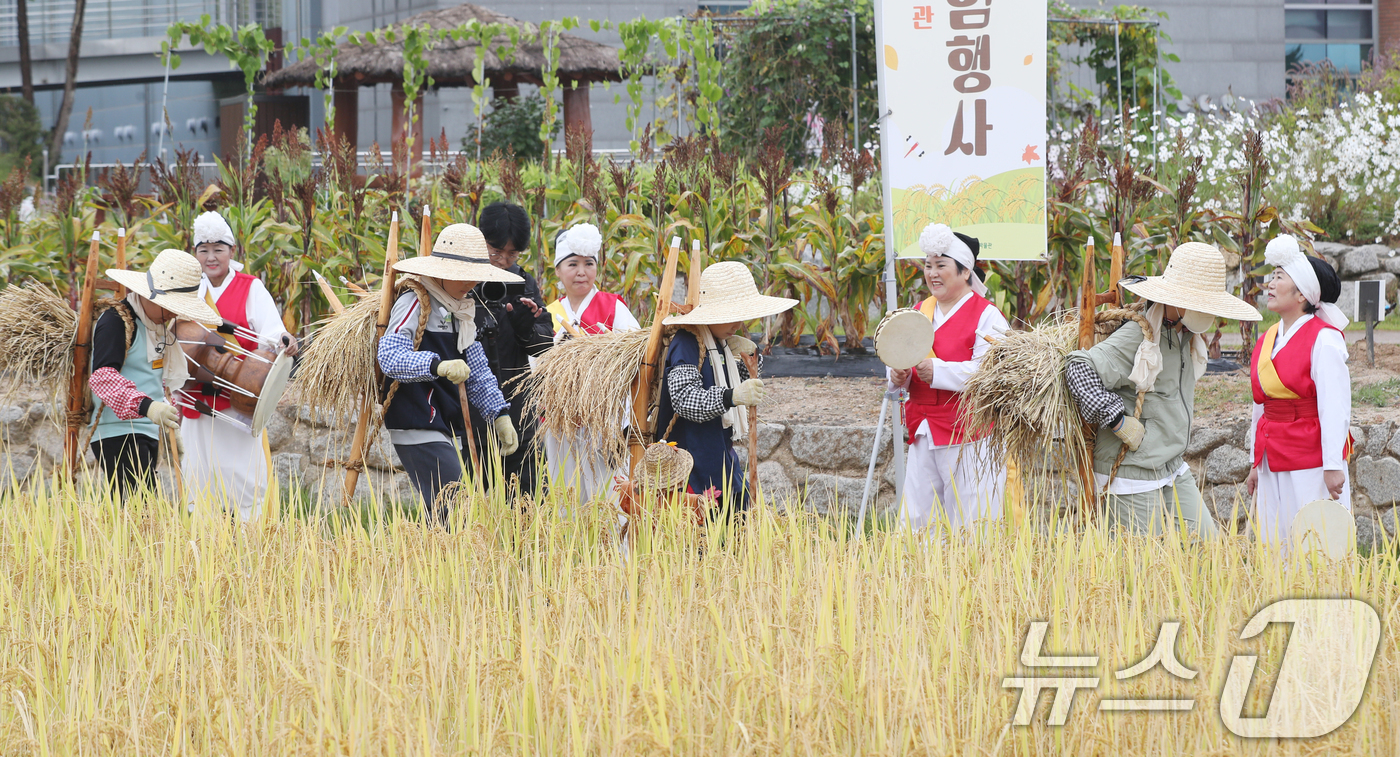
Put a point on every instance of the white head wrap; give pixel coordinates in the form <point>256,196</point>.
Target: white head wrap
<point>581,239</point>
<point>211,227</point>
<point>940,241</point>
<point>1283,252</point>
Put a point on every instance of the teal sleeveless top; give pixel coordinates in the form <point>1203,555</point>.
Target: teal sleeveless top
<point>139,371</point>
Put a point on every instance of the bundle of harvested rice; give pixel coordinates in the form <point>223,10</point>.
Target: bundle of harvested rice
<point>582,390</point>
<point>338,370</point>
<point>1019,393</point>
<point>37,328</point>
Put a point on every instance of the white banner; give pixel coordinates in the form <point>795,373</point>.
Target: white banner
<point>962,100</point>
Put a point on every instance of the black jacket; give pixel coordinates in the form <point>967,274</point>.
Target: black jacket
<point>510,340</point>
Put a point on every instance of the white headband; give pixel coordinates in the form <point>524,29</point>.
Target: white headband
<point>582,239</point>
<point>939,240</point>
<point>211,227</point>
<point>1283,252</point>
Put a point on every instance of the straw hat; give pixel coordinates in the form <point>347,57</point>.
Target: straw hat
<point>1195,280</point>
<point>663,467</point>
<point>172,282</point>
<point>727,295</point>
<point>459,254</point>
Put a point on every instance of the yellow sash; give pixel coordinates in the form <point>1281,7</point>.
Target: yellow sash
<point>1268,375</point>
<point>926,307</point>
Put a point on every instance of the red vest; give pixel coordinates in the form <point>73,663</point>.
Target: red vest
<point>1289,431</point>
<point>952,343</point>
<point>233,307</point>
<point>598,317</point>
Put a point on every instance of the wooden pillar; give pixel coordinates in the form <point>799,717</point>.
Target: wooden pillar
<point>505,88</point>
<point>400,132</point>
<point>347,111</point>
<point>577,115</point>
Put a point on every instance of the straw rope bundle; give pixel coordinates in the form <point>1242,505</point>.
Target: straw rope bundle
<point>1020,395</point>
<point>37,328</point>
<point>586,383</point>
<point>339,368</point>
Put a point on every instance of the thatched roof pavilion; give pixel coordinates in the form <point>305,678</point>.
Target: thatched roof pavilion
<point>450,63</point>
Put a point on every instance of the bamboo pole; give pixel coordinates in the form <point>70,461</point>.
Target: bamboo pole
<point>82,351</point>
<point>335,303</point>
<point>120,261</point>
<point>1088,302</point>
<point>646,376</point>
<point>425,234</point>
<point>386,305</point>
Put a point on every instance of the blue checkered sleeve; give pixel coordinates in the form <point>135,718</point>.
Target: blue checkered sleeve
<point>401,362</point>
<point>482,390</point>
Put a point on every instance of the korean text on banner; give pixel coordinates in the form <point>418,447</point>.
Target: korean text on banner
<point>963,138</point>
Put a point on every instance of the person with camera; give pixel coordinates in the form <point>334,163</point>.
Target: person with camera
<point>512,326</point>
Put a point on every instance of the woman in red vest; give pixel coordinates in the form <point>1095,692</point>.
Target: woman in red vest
<point>948,475</point>
<point>223,460</point>
<point>583,309</point>
<point>1300,437</point>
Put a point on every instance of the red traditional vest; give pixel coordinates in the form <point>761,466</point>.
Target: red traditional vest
<point>598,317</point>
<point>233,307</point>
<point>952,343</point>
<point>1289,431</point>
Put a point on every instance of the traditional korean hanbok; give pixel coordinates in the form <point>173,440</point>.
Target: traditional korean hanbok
<point>1302,406</point>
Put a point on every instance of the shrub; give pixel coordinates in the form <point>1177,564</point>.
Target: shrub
<point>21,136</point>
<point>512,124</point>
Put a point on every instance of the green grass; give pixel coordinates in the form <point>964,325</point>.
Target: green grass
<point>1382,394</point>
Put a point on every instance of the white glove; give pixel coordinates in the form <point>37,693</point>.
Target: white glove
<point>741,345</point>
<point>455,371</point>
<point>163,414</point>
<point>749,393</point>
<point>1130,430</point>
<point>505,434</point>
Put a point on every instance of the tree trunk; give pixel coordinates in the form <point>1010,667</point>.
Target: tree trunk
<point>70,79</point>
<point>26,61</point>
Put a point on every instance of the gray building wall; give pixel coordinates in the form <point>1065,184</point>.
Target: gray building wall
<point>1225,46</point>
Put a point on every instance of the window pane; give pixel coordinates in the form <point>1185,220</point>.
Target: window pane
<point>1305,24</point>
<point>1348,2</point>
<point>1347,25</point>
<point>1347,58</point>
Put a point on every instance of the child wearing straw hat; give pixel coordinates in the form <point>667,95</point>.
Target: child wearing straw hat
<point>583,309</point>
<point>706,388</point>
<point>132,377</point>
<point>1300,437</point>
<point>426,416</point>
<point>222,459</point>
<point>1151,482</point>
<point>948,476</point>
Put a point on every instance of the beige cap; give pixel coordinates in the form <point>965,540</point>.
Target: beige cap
<point>728,294</point>
<point>1195,280</point>
<point>663,467</point>
<point>172,282</point>
<point>459,254</point>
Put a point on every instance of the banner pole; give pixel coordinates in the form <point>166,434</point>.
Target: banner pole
<point>887,207</point>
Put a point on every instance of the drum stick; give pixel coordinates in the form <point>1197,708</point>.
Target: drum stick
<point>751,362</point>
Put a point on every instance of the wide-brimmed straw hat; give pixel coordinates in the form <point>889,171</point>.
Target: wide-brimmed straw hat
<point>727,295</point>
<point>1195,280</point>
<point>171,282</point>
<point>459,254</point>
<point>663,467</point>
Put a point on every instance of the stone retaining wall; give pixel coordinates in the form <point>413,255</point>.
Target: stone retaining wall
<point>824,467</point>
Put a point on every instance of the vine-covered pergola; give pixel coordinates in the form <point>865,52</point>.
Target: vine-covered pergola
<point>451,62</point>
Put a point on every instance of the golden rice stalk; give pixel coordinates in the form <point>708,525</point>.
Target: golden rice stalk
<point>582,390</point>
<point>1019,393</point>
<point>37,328</point>
<point>338,370</point>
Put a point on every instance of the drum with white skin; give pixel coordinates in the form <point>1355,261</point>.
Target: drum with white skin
<point>904,338</point>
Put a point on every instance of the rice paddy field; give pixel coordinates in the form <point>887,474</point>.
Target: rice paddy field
<point>139,629</point>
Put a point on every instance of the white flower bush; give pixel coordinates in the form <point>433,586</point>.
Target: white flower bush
<point>1340,166</point>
